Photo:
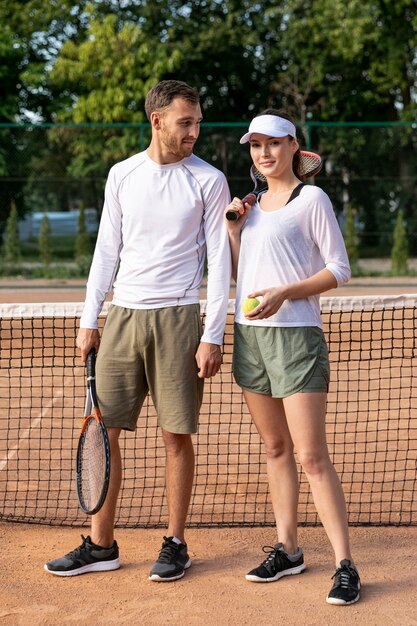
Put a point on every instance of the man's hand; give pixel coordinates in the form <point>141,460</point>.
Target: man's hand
<point>87,339</point>
<point>209,359</point>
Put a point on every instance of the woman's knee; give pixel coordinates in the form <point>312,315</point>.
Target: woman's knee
<point>314,463</point>
<point>278,449</point>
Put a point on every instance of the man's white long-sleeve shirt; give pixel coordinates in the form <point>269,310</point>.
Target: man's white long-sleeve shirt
<point>158,224</point>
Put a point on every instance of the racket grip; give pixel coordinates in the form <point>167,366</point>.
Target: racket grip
<point>249,199</point>
<point>232,216</point>
<point>91,363</point>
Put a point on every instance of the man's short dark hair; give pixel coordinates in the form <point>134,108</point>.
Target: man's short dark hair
<point>162,94</point>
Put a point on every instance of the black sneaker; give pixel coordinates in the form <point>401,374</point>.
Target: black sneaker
<point>346,584</point>
<point>88,557</point>
<point>172,562</point>
<point>276,565</point>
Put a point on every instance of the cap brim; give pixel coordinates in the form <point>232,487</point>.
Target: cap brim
<point>246,137</point>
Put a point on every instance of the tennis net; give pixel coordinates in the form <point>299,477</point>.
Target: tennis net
<point>371,424</point>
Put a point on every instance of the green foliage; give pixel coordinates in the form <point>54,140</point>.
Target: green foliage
<point>10,59</point>
<point>38,29</point>
<point>112,71</point>
<point>341,60</point>
<point>94,61</point>
<point>399,252</point>
<point>82,244</point>
<point>11,246</point>
<point>45,241</point>
<point>351,240</point>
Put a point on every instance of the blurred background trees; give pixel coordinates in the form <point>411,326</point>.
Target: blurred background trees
<point>327,61</point>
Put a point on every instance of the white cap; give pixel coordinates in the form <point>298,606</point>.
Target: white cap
<point>270,125</point>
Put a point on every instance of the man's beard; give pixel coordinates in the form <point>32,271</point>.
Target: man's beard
<point>176,148</point>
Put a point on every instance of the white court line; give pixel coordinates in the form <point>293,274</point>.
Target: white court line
<point>34,424</point>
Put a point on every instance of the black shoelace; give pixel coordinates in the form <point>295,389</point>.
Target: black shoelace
<point>76,553</point>
<point>168,551</point>
<point>345,577</point>
<point>274,555</point>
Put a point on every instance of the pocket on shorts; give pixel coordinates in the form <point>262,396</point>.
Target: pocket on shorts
<point>323,361</point>
<point>304,345</point>
<point>198,326</point>
<point>301,356</point>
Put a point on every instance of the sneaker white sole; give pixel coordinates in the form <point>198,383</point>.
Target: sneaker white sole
<point>103,566</point>
<point>340,602</point>
<point>287,572</point>
<point>160,579</point>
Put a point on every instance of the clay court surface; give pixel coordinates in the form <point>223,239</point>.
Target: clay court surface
<point>214,591</point>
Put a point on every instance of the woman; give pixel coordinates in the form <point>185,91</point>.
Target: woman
<point>286,250</point>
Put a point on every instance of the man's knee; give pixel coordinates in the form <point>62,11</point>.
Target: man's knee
<point>176,443</point>
<point>113,434</point>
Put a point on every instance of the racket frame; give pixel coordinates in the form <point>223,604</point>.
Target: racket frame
<point>318,163</point>
<point>261,185</point>
<point>92,412</point>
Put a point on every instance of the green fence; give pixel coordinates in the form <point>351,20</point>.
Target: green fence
<point>371,166</point>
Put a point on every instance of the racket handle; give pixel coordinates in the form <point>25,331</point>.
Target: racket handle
<point>232,216</point>
<point>249,199</point>
<point>91,363</point>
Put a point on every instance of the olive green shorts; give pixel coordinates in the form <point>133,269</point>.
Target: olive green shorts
<point>280,361</point>
<point>151,350</point>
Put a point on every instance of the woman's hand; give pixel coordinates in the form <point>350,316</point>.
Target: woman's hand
<point>242,207</point>
<point>272,300</point>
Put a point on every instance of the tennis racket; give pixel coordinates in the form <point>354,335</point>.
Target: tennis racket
<point>260,185</point>
<point>310,165</point>
<point>93,453</point>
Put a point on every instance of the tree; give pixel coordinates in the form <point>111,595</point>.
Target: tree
<point>82,244</point>
<point>338,60</point>
<point>10,66</point>
<point>351,240</point>
<point>10,60</point>
<point>355,60</point>
<point>38,31</point>
<point>112,71</point>
<point>364,71</point>
<point>328,60</point>
<point>11,248</point>
<point>45,242</point>
<point>399,252</point>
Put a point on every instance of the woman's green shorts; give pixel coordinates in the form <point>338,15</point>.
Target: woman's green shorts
<point>280,361</point>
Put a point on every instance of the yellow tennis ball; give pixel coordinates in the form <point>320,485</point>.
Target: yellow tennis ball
<point>249,304</point>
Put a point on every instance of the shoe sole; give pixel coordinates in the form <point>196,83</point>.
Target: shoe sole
<point>160,579</point>
<point>340,602</point>
<point>288,572</point>
<point>103,566</point>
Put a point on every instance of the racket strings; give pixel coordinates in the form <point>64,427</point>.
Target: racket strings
<point>258,176</point>
<point>93,460</point>
<point>308,163</point>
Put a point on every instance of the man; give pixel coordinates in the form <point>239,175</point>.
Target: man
<point>163,211</point>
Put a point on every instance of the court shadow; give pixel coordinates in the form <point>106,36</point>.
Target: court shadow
<point>386,588</point>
